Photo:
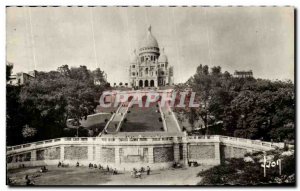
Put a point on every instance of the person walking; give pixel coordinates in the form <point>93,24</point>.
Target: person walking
<point>29,182</point>
<point>148,170</point>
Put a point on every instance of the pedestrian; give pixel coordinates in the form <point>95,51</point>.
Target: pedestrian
<point>148,170</point>
<point>115,172</point>
<point>29,182</point>
<point>107,168</point>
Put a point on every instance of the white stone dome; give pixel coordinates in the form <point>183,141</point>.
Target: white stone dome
<point>134,57</point>
<point>149,41</point>
<point>163,57</point>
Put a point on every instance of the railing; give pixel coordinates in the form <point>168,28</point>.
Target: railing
<point>165,139</point>
<point>250,143</point>
<point>69,140</point>
<point>162,115</point>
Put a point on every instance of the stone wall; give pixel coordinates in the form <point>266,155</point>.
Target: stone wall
<point>238,152</point>
<point>181,152</point>
<point>76,152</point>
<point>51,153</point>
<point>163,154</point>
<point>201,151</point>
<point>158,153</point>
<point>19,158</point>
<point>107,154</point>
<point>133,157</point>
<point>232,152</point>
<point>225,152</point>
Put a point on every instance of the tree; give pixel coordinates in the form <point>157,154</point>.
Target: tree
<point>28,132</point>
<point>99,75</point>
<point>242,107</point>
<point>53,97</point>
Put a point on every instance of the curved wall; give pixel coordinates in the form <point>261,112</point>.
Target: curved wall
<point>127,153</point>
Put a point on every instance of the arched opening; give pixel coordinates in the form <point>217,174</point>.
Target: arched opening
<point>146,71</point>
<point>130,98</point>
<point>144,99</point>
<point>152,83</point>
<point>146,83</point>
<point>141,83</point>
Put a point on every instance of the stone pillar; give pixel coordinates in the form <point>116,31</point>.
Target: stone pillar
<point>231,152</point>
<point>217,153</point>
<point>90,153</point>
<point>33,155</point>
<point>117,155</point>
<point>185,153</point>
<point>62,153</point>
<point>150,155</point>
<point>97,153</point>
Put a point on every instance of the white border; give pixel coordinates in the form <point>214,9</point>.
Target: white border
<point>5,3</point>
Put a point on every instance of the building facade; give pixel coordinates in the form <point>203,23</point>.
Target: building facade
<point>243,74</point>
<point>21,78</point>
<point>149,66</point>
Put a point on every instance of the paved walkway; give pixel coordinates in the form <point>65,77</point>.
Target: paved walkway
<point>185,176</point>
<point>86,176</point>
<point>113,125</point>
<point>170,121</point>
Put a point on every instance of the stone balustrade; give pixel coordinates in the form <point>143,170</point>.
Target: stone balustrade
<point>125,152</point>
<point>92,140</point>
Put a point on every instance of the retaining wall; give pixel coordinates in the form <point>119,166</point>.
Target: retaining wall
<point>126,153</point>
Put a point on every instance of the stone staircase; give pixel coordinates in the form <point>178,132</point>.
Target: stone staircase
<point>115,123</point>
<point>171,121</point>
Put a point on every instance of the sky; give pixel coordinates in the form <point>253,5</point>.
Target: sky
<point>260,39</point>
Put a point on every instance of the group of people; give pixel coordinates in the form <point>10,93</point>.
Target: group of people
<point>62,164</point>
<point>138,173</point>
<point>43,169</point>
<point>108,169</point>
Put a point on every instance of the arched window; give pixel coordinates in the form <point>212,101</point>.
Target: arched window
<point>146,83</point>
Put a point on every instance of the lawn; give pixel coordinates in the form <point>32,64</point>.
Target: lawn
<point>86,176</point>
<point>96,121</point>
<point>60,176</point>
<point>142,119</point>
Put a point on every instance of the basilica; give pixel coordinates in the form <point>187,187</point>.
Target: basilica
<point>149,66</point>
